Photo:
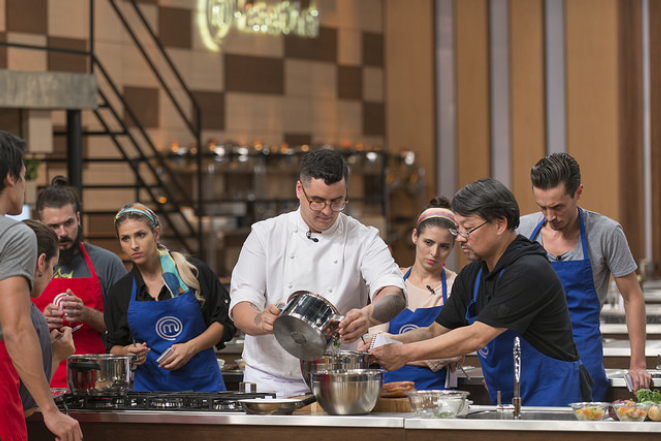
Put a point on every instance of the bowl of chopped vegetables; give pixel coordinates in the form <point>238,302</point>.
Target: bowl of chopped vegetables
<point>589,411</point>
<point>653,398</point>
<point>631,411</point>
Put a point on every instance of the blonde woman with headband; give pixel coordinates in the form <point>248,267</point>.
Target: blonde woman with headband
<point>169,311</point>
<point>429,284</point>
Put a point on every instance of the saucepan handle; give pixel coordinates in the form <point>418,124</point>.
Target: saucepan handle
<point>84,366</point>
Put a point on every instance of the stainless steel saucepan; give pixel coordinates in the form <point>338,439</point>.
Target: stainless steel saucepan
<point>99,374</point>
<point>307,325</point>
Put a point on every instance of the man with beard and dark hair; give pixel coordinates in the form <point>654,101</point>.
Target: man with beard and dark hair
<point>509,291</point>
<point>82,278</point>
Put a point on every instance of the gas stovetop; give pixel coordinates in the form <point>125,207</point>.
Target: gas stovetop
<point>172,401</point>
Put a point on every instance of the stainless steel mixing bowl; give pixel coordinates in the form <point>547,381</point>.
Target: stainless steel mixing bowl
<point>347,392</point>
<point>343,361</point>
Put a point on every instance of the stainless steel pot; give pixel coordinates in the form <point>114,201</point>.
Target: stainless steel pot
<point>344,360</point>
<point>99,374</point>
<point>306,325</point>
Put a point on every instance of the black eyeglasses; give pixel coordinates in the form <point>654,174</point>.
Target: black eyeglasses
<point>467,234</point>
<point>320,205</point>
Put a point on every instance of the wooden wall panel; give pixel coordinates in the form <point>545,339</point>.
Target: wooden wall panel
<point>631,194</point>
<point>655,96</point>
<point>410,118</point>
<point>527,95</point>
<point>592,99</point>
<point>472,90</point>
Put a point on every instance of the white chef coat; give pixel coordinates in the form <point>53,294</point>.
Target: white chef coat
<point>347,263</point>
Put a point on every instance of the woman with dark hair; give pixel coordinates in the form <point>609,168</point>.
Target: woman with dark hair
<point>169,311</point>
<point>429,284</point>
<point>56,345</point>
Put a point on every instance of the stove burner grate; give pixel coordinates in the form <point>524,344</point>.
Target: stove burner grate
<point>171,401</point>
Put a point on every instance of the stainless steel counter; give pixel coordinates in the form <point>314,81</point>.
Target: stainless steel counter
<point>303,419</point>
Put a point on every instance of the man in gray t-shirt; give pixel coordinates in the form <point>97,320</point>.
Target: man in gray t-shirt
<point>585,248</point>
<point>20,352</point>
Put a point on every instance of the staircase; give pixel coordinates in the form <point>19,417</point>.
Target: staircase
<point>120,162</point>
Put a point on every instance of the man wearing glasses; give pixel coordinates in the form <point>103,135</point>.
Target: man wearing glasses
<point>316,248</point>
<point>508,290</point>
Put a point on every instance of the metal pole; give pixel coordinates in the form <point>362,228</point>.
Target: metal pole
<point>75,150</point>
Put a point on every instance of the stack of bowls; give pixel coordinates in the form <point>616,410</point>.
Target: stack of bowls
<point>347,392</point>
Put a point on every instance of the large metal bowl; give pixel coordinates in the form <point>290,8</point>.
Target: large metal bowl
<point>350,392</point>
<point>343,361</point>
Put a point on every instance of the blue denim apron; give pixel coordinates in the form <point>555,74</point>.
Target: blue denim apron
<point>584,310</point>
<point>162,324</point>
<point>424,378</point>
<point>545,381</point>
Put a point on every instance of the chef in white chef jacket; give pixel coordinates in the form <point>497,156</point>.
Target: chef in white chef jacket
<point>316,248</point>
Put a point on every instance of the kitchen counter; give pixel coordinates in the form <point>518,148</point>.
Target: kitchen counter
<point>207,426</point>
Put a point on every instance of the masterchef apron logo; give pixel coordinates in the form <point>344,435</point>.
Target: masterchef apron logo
<point>408,327</point>
<point>484,352</point>
<point>169,328</point>
<point>58,299</point>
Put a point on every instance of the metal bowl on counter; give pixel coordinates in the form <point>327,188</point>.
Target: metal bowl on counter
<point>99,374</point>
<point>347,392</point>
<point>343,360</point>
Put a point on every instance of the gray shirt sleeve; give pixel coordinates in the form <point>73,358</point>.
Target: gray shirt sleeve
<point>18,251</point>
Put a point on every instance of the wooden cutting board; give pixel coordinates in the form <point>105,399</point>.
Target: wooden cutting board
<point>392,405</point>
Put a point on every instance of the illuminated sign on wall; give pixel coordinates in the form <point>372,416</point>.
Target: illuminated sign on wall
<point>217,17</point>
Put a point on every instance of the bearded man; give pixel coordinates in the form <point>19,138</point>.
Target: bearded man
<point>82,277</point>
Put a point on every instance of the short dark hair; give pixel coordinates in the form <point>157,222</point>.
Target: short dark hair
<point>47,242</point>
<point>489,199</point>
<point>325,164</point>
<point>12,151</point>
<point>556,169</point>
<point>58,194</point>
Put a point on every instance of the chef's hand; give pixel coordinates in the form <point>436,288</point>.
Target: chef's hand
<point>389,357</point>
<point>180,356</point>
<point>354,325</point>
<point>54,316</point>
<point>63,347</point>
<point>74,308</point>
<point>140,351</point>
<point>365,342</point>
<point>641,379</point>
<point>63,426</point>
<point>266,318</point>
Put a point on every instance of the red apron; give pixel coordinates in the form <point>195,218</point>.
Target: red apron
<point>88,289</point>
<point>12,421</point>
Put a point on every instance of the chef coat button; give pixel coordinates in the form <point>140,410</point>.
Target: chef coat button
<point>330,289</point>
<point>290,285</point>
<point>335,261</point>
<point>291,256</point>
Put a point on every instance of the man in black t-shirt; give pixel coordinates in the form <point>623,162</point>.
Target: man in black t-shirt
<point>509,290</point>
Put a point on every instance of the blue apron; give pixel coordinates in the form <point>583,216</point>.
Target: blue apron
<point>584,310</point>
<point>162,324</point>
<point>545,381</point>
<point>424,378</point>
